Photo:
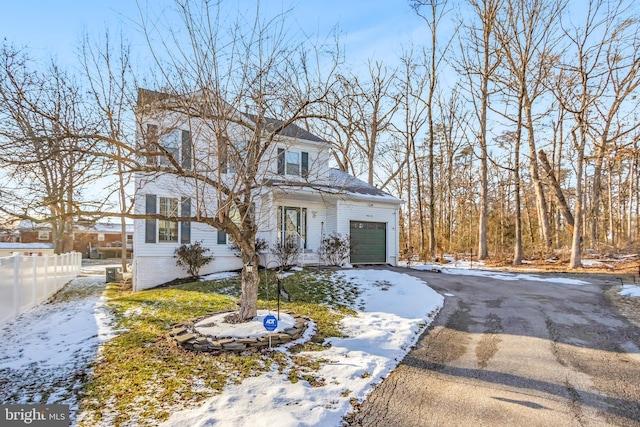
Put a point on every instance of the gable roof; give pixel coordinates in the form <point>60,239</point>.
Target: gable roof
<point>147,96</point>
<point>291,130</point>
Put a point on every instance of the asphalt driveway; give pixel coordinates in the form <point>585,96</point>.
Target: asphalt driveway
<point>514,353</point>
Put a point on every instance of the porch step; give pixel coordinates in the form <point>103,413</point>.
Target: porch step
<point>308,258</point>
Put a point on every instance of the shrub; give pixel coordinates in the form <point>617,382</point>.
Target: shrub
<point>193,257</point>
<point>335,248</point>
<point>287,253</point>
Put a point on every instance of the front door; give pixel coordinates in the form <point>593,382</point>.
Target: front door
<point>292,226</point>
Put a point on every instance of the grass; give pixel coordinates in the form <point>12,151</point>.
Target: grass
<point>141,376</point>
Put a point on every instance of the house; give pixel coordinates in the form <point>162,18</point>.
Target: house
<point>31,232</point>
<point>298,201</point>
<point>92,240</point>
<point>102,240</point>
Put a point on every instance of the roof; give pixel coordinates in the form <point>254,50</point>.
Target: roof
<point>100,227</point>
<point>351,184</point>
<point>291,130</point>
<point>109,228</point>
<point>17,245</point>
<point>146,96</point>
<point>337,183</point>
<point>27,224</point>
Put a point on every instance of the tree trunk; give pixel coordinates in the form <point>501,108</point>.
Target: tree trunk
<point>555,186</point>
<point>576,241</point>
<point>541,202</point>
<point>249,298</point>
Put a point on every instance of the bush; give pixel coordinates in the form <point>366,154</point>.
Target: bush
<point>335,248</point>
<point>287,253</point>
<point>193,257</point>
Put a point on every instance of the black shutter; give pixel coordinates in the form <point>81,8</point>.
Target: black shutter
<point>186,149</point>
<point>150,223</point>
<point>280,161</point>
<point>222,155</point>
<point>222,237</point>
<point>305,164</point>
<point>151,143</point>
<point>185,226</point>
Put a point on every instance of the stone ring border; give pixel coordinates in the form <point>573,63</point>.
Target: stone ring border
<point>187,336</point>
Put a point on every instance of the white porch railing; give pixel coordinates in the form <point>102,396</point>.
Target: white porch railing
<point>26,281</point>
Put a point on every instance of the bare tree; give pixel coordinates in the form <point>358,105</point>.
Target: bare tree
<point>610,123</point>
<point>433,12</point>
<point>527,37</point>
<point>581,83</point>
<point>209,81</point>
<point>46,161</point>
<point>412,81</point>
<point>477,62</point>
<point>362,111</point>
<point>109,76</point>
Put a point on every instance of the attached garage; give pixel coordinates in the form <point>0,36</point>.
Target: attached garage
<point>368,242</point>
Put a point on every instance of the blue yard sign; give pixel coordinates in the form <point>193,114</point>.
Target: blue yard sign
<point>270,323</point>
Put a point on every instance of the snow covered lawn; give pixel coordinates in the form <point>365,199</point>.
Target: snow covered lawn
<point>46,354</point>
<point>364,322</point>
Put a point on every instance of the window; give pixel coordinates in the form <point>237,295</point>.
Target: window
<point>170,142</point>
<point>234,215</point>
<point>100,237</point>
<point>165,229</point>
<point>292,226</point>
<point>168,230</point>
<point>293,162</point>
<point>43,234</point>
<point>292,166</point>
<point>176,142</point>
<point>225,163</point>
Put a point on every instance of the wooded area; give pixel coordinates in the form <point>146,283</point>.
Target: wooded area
<point>510,131</point>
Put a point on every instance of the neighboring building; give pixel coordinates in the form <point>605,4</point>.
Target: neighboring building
<point>99,240</point>
<point>31,232</point>
<point>11,248</point>
<point>300,201</point>
<point>102,240</point>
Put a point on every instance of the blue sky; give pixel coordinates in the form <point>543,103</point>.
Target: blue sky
<point>372,29</point>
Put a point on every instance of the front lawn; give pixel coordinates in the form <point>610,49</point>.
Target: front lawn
<point>141,376</point>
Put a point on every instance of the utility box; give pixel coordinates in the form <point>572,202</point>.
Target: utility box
<point>114,274</point>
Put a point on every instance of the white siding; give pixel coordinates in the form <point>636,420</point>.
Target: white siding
<point>154,263</point>
<point>371,212</point>
<point>153,271</point>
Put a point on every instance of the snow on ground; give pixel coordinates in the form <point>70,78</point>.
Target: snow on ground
<point>630,291</point>
<point>597,263</point>
<point>215,325</point>
<point>394,309</point>
<point>46,353</point>
<point>220,276</point>
<point>465,268</point>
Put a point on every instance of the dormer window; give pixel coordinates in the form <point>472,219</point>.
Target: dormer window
<point>293,162</point>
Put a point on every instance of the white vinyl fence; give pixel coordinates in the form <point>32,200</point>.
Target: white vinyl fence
<point>26,281</point>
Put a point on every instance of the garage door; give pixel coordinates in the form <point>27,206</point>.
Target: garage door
<point>368,242</point>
